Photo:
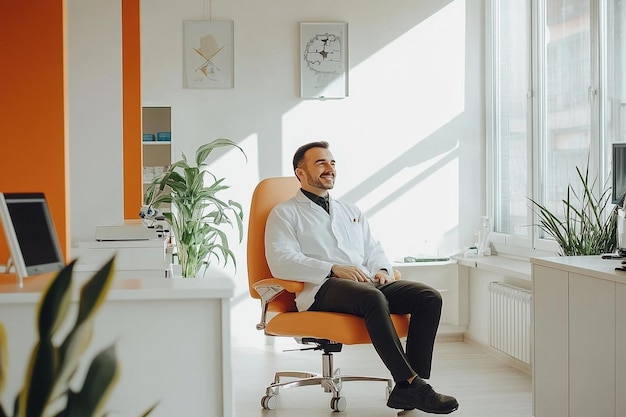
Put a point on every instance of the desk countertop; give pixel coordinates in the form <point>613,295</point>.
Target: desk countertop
<point>216,284</point>
<point>593,266</point>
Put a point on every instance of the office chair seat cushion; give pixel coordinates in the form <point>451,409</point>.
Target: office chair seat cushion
<point>338,327</point>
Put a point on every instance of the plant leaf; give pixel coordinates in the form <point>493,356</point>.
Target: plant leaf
<point>92,295</point>
<point>55,303</point>
<point>196,211</point>
<point>39,379</point>
<point>149,410</point>
<point>589,225</point>
<point>101,377</point>
<point>94,291</point>
<point>43,363</point>
<point>202,153</point>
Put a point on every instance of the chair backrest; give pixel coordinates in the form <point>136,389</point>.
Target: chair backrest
<point>268,193</point>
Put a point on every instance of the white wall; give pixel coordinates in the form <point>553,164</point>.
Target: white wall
<point>95,115</point>
<point>409,140</point>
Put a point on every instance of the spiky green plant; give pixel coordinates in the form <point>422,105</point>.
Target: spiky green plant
<point>589,223</point>
<point>197,214</point>
<point>47,389</point>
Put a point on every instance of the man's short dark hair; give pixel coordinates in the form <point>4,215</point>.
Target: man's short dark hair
<point>299,155</point>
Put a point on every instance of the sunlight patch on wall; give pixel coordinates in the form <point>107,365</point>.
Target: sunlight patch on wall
<point>412,212</point>
<point>419,77</point>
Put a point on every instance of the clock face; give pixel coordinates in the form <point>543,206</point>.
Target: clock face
<point>323,54</point>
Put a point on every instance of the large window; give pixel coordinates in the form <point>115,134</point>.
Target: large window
<point>511,88</point>
<point>566,101</point>
<point>557,103</point>
<point>613,122</point>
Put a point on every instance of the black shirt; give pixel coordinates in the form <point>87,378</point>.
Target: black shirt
<point>323,202</point>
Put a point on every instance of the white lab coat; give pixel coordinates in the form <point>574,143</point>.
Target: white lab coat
<point>303,242</point>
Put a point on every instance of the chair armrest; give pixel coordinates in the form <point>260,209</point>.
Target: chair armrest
<point>268,289</point>
<point>290,286</point>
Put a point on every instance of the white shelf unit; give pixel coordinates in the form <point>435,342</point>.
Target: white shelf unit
<point>157,155</point>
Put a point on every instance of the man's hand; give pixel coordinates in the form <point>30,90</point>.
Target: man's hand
<point>350,272</point>
<point>382,277</point>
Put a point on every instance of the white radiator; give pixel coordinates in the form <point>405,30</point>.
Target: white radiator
<point>509,320</point>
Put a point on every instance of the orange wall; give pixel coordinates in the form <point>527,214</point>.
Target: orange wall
<point>33,106</point>
<point>131,98</point>
<point>33,103</point>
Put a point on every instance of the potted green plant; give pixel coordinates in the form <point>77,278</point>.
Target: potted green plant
<point>50,387</point>
<point>197,213</point>
<point>589,223</point>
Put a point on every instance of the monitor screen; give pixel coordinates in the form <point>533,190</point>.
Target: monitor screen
<point>30,233</point>
<point>618,170</point>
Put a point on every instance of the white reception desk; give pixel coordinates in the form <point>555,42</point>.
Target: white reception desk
<point>172,338</point>
<point>579,317</point>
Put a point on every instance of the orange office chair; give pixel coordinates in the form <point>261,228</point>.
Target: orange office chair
<point>327,331</point>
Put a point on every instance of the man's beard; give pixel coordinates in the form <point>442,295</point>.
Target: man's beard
<point>317,182</point>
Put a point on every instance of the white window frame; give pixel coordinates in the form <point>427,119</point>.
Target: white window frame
<point>533,244</point>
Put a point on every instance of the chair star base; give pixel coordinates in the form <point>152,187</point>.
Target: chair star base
<point>330,379</point>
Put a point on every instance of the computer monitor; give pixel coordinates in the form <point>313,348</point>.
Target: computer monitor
<point>618,170</point>
<point>30,234</point>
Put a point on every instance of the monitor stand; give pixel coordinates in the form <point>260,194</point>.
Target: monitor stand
<point>20,279</point>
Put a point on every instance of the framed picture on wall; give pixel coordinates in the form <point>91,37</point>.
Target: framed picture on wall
<point>323,60</point>
<point>208,54</point>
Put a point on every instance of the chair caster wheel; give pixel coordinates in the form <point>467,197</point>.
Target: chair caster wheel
<point>338,403</point>
<point>269,402</point>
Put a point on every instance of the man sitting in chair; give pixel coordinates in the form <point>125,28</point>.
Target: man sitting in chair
<point>328,245</point>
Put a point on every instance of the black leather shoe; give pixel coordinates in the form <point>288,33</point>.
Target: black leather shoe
<point>423,397</point>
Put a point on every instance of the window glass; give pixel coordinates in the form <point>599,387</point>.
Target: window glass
<point>573,62</point>
<point>512,67</point>
<point>567,101</point>
<point>614,109</point>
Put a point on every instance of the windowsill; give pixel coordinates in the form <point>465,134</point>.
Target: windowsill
<point>502,264</point>
<point>517,268</point>
<point>398,264</point>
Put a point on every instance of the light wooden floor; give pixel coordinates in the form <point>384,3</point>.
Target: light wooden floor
<point>484,385</point>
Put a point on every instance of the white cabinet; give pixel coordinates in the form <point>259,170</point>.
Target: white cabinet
<point>620,349</point>
<point>550,362</point>
<point>579,367</point>
<point>591,346</point>
<point>172,337</point>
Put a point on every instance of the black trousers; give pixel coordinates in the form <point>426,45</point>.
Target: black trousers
<point>375,304</point>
